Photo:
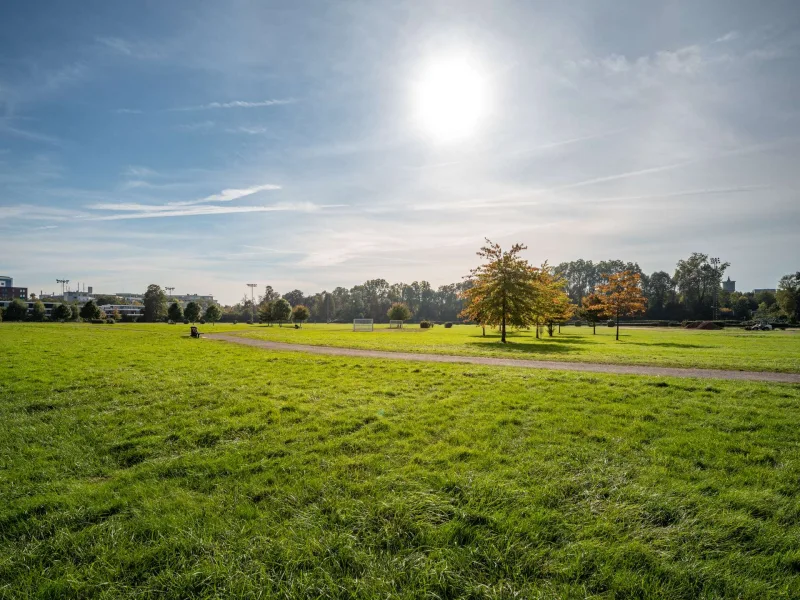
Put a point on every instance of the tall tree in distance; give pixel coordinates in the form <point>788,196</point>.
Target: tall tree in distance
<point>192,312</point>
<point>270,295</point>
<point>175,312</point>
<point>281,311</point>
<point>90,311</point>
<point>788,296</point>
<point>398,312</point>
<point>622,295</point>
<point>294,297</point>
<point>300,314</point>
<point>155,303</point>
<point>213,313</point>
<point>265,312</point>
<point>328,306</point>
<point>504,289</point>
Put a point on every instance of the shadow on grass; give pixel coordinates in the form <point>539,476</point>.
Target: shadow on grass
<point>667,344</point>
<point>525,345</point>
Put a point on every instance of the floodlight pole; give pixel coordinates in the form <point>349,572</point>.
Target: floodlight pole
<point>169,291</point>
<point>252,286</point>
<point>63,282</point>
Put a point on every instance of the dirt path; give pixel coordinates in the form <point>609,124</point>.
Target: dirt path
<point>513,362</point>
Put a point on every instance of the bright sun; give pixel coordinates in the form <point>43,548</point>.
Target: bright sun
<point>450,99</point>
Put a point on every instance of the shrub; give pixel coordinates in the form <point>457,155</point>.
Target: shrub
<point>578,324</point>
<point>425,324</point>
<point>249,322</point>
<point>610,323</point>
<point>202,321</point>
<point>186,321</point>
<point>448,325</point>
<point>110,321</point>
<point>97,321</point>
<point>170,322</point>
<point>235,322</point>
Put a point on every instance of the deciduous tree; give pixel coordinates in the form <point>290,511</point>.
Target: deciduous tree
<point>155,304</point>
<point>90,311</point>
<point>300,313</point>
<point>592,310</point>
<point>265,311</point>
<point>399,311</point>
<point>39,312</point>
<point>788,296</point>
<point>622,296</point>
<point>213,313</point>
<point>281,311</point>
<point>504,289</point>
<point>175,312</point>
<point>192,312</point>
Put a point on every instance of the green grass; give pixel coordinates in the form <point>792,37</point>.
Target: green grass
<point>728,349</point>
<point>138,463</point>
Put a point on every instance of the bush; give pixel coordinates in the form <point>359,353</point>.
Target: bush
<point>448,325</point>
<point>249,322</point>
<point>202,321</point>
<point>578,324</point>
<point>97,321</point>
<point>110,321</point>
<point>425,324</point>
<point>186,321</point>
<point>611,323</point>
<point>235,322</point>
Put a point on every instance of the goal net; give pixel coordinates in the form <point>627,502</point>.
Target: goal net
<point>395,324</point>
<point>362,324</point>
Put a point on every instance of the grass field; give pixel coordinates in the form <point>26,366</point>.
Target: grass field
<point>138,463</point>
<point>726,349</point>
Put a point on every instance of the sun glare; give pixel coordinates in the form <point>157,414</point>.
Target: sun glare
<point>450,99</point>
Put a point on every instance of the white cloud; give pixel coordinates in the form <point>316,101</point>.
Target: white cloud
<point>173,211</point>
<point>127,111</point>
<point>134,49</point>
<point>728,37</point>
<point>237,104</point>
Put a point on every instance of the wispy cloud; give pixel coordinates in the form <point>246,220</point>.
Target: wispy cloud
<point>27,134</point>
<point>136,210</point>
<point>198,126</point>
<point>236,104</point>
<point>126,111</point>
<point>728,37</point>
<point>211,210</point>
<point>132,48</point>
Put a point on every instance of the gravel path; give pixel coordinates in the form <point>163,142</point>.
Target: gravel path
<point>513,362</point>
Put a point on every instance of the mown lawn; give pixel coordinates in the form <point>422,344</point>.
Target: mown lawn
<point>727,349</point>
<point>138,463</point>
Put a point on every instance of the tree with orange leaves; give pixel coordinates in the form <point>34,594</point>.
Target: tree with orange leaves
<point>504,289</point>
<point>622,295</point>
<point>592,310</point>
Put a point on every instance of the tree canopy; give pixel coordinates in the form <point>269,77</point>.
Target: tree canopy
<point>192,312</point>
<point>213,313</point>
<point>155,303</point>
<point>175,312</point>
<point>300,313</point>
<point>504,289</point>
<point>622,296</point>
<point>90,311</point>
<point>399,311</point>
<point>281,310</point>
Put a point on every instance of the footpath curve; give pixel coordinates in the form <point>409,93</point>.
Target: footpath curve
<point>763,376</point>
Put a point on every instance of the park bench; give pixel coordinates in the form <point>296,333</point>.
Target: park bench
<point>194,333</point>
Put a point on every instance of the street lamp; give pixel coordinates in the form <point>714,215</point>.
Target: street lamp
<point>252,286</point>
<point>715,266</point>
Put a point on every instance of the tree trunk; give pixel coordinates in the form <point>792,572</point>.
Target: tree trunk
<point>483,326</point>
<point>617,325</point>
<point>503,323</point>
<point>594,327</point>
<point>559,328</point>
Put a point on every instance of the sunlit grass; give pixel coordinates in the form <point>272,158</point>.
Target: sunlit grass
<point>137,463</point>
<point>727,349</point>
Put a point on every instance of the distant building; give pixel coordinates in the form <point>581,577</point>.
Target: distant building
<point>9,292</point>
<point>125,310</point>
<point>48,306</point>
<point>729,286</point>
<point>759,290</point>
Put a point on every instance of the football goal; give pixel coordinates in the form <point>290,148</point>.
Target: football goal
<point>362,324</point>
<point>395,324</point>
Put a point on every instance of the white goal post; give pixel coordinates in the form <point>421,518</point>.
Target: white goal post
<point>362,324</point>
<point>393,324</point>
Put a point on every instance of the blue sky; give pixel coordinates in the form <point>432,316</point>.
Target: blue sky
<point>205,145</point>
